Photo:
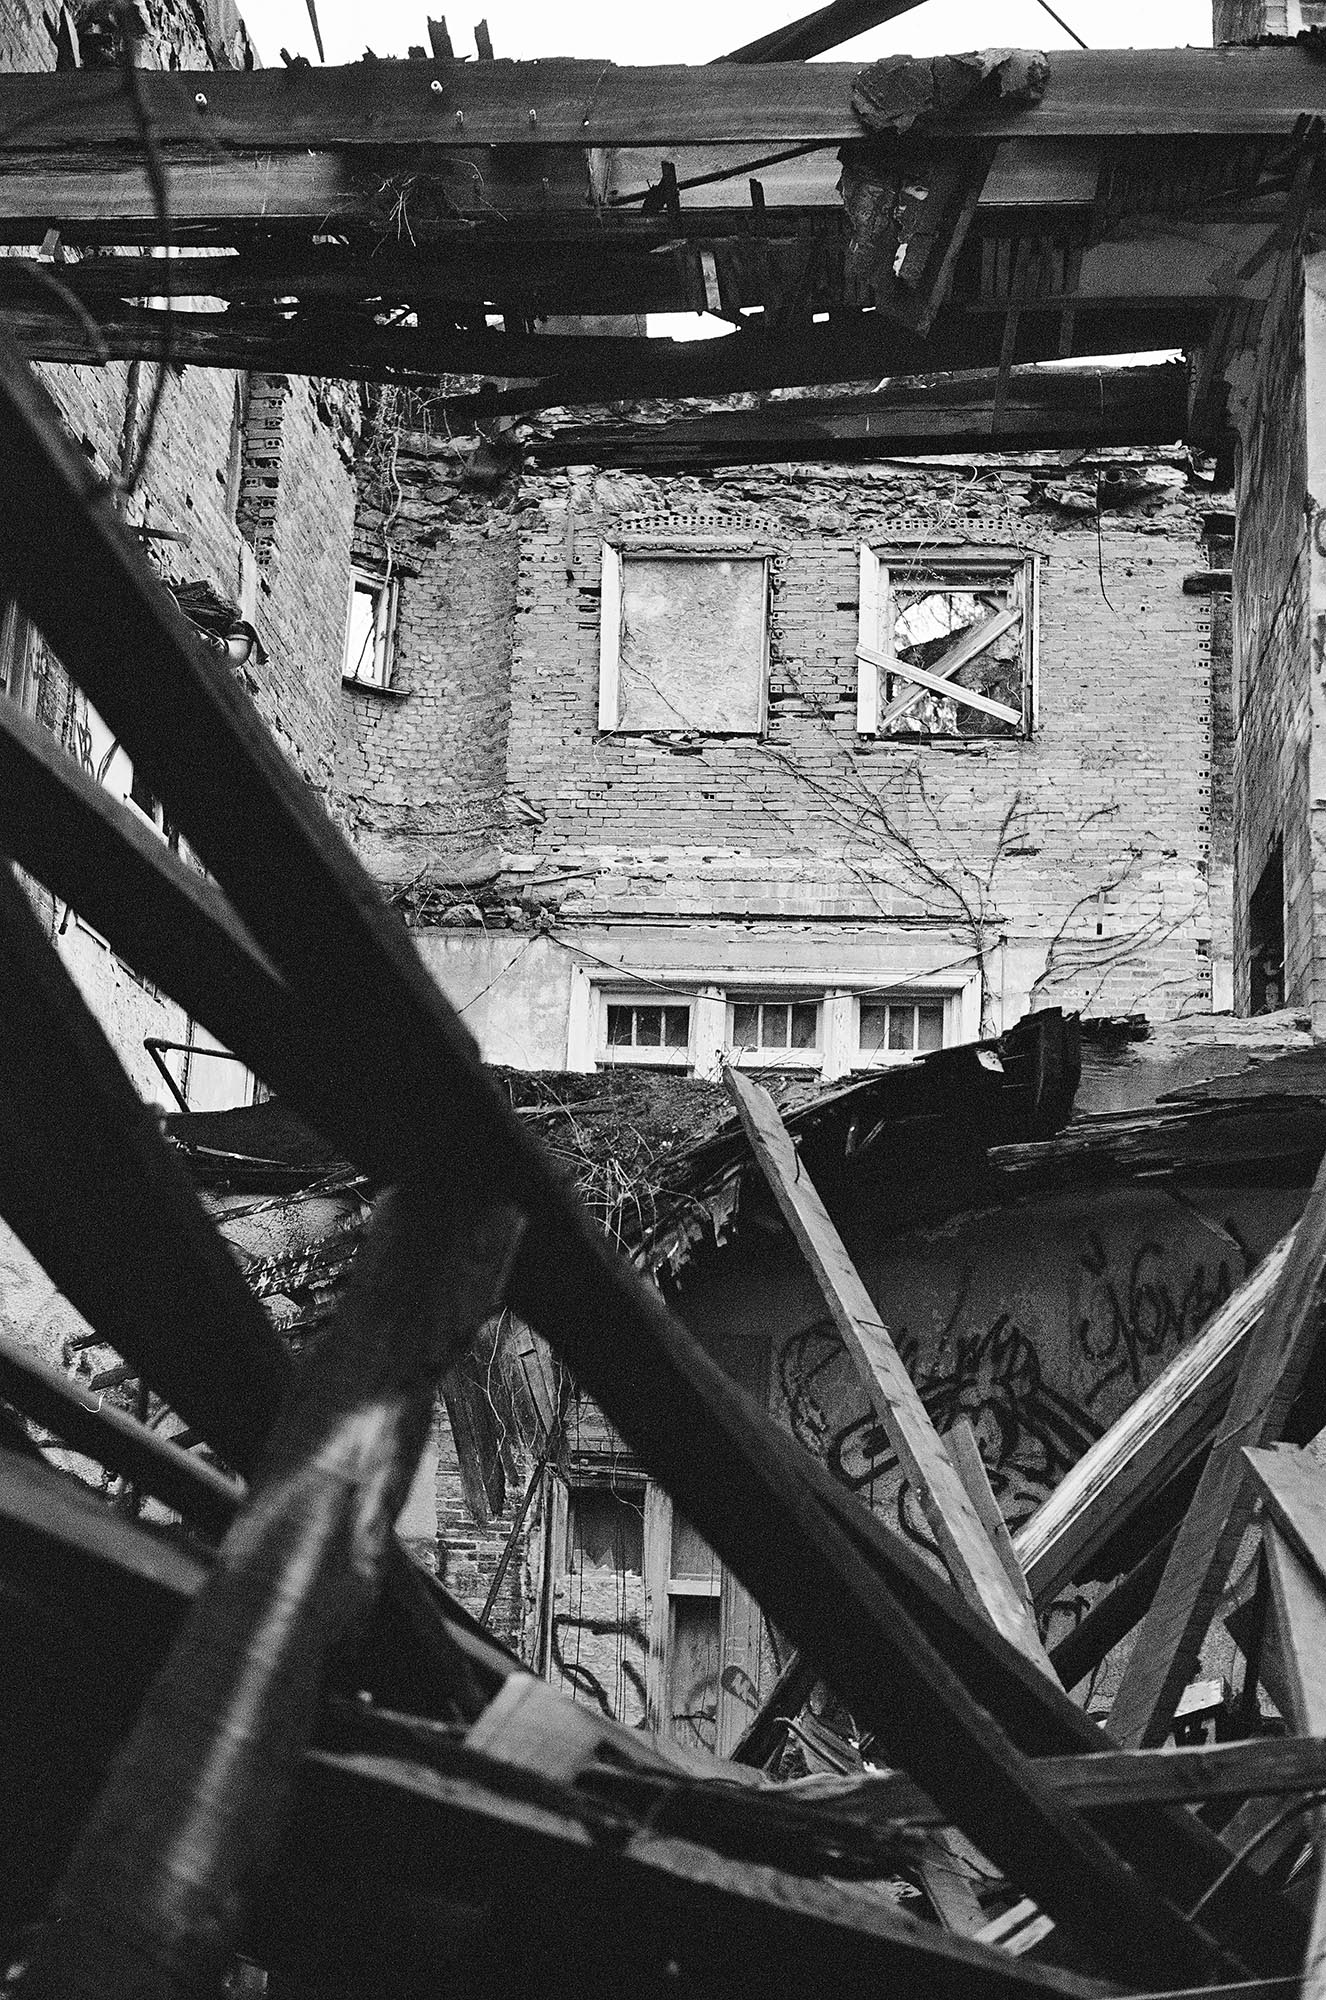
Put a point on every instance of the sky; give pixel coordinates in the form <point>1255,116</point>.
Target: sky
<point>694,31</point>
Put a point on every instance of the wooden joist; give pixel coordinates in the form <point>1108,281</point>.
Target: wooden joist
<point>973,1562</point>
<point>1166,1648</point>
<point>435,108</point>
<point>424,1102</point>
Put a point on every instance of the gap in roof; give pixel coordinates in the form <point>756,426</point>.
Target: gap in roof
<point>694,31</point>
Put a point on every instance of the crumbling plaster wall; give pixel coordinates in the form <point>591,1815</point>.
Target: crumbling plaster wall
<point>1013,852</point>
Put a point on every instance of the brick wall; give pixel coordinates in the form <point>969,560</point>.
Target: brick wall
<point>185,492</point>
<point>1102,819</point>
<point>1272,785</point>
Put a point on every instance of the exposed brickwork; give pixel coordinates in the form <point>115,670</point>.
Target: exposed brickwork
<point>1102,818</point>
<point>184,490</point>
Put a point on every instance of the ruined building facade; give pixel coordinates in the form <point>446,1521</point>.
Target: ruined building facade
<point>646,796</point>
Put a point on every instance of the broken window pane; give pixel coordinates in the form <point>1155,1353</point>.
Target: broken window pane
<point>935,612</point>
<point>649,1027</point>
<point>874,1026</point>
<point>745,1025</point>
<point>773,1027</point>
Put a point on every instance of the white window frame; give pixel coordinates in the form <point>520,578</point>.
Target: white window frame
<point>876,658</point>
<point>682,1061</point>
<point>385,592</point>
<point>912,993</point>
<point>811,1060</point>
<point>612,607</point>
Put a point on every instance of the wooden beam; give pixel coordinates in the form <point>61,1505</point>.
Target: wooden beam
<point>972,1560</point>
<point>1169,1639</point>
<point>827,28</point>
<point>1264,1766</point>
<point>936,684</point>
<point>1300,1613</point>
<point>432,108</point>
<point>961,1446</point>
<point>192,1812</point>
<point>93,1426</point>
<point>1112,1617</point>
<point>1153,1439</point>
<point>911,417</point>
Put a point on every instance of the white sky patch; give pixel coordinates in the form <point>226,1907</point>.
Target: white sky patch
<point>694,31</point>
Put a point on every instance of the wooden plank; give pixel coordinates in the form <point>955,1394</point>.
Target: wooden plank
<point>1166,1649</point>
<point>960,1443</point>
<point>1266,1765</point>
<point>194,1806</point>
<point>973,641</point>
<point>422,1104</point>
<point>1300,1612</point>
<point>827,28</point>
<point>890,663</point>
<point>1156,1435</point>
<point>966,1548</point>
<point>92,1425</point>
<point>1292,1485</point>
<point>88,1183</point>
<point>621,1910</point>
<point>581,104</point>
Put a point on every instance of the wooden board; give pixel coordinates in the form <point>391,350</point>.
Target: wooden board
<point>1267,1765</point>
<point>961,1446</point>
<point>1152,1440</point>
<point>1300,1614</point>
<point>1089,94</point>
<point>972,1560</point>
<point>1165,1651</point>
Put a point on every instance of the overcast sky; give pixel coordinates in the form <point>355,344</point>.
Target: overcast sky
<point>693,31</point>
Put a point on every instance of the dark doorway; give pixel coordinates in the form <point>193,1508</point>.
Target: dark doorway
<point>1266,937</point>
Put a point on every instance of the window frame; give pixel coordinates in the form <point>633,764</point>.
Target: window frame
<point>612,616</point>
<point>917,994</point>
<point>875,656</point>
<point>385,592</point>
<point>811,1059</point>
<point>637,1055</point>
<point>18,639</point>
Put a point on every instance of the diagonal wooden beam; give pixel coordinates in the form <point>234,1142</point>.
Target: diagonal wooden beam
<point>973,641</point>
<point>1168,1642</point>
<point>936,684</point>
<point>972,1560</point>
<point>827,28</point>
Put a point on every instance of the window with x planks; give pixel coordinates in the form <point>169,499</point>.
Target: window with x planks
<point>946,646</point>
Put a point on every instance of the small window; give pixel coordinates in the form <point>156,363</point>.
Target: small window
<point>646,1032</point>
<point>684,643</point>
<point>945,649</point>
<point>775,1029</point>
<point>892,1030</point>
<point>370,633</point>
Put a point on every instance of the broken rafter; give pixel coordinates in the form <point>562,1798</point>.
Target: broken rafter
<point>1274,1362</point>
<point>973,1562</point>
<point>827,28</point>
<point>1044,409</point>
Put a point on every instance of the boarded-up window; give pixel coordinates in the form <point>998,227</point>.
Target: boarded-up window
<point>684,643</point>
<point>946,648</point>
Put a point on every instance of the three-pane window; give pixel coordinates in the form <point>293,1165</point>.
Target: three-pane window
<point>767,1027</point>
<point>900,1027</point>
<point>647,1030</point>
